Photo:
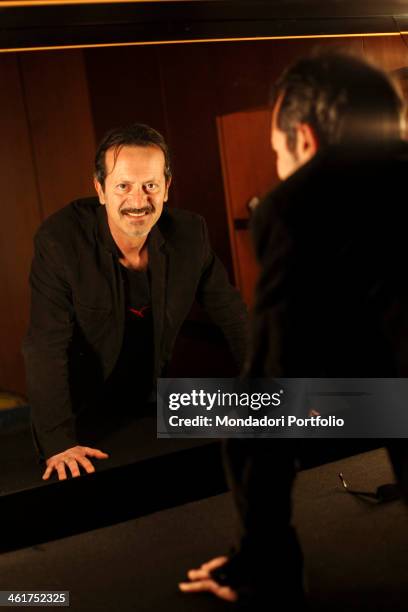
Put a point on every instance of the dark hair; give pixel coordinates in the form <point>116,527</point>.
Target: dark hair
<point>342,97</point>
<point>135,135</point>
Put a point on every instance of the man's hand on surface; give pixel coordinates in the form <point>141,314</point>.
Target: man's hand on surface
<point>72,458</point>
<point>201,581</point>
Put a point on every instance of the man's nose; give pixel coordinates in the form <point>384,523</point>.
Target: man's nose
<point>137,197</point>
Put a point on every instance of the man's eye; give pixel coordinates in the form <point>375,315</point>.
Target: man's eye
<point>151,186</point>
<point>122,186</point>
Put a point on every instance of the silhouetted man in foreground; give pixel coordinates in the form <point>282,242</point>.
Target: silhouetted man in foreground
<point>331,298</point>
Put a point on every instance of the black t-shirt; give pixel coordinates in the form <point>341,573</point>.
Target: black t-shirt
<point>132,379</point>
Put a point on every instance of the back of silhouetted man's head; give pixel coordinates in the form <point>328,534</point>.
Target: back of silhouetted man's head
<point>343,98</point>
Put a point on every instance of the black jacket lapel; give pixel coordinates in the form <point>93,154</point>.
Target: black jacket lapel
<point>158,274</point>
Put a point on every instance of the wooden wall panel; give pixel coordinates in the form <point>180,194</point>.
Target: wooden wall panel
<point>248,171</point>
<point>191,107</point>
<point>125,86</point>
<point>248,160</point>
<point>244,71</point>
<point>391,53</point>
<point>61,126</point>
<point>388,52</point>
<point>46,158</point>
<point>20,216</point>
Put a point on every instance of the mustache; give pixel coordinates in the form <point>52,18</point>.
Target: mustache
<point>145,209</point>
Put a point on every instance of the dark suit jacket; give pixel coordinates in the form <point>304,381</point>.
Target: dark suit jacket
<point>331,241</point>
<point>77,310</point>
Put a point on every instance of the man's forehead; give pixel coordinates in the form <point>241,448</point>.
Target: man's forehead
<point>275,131</point>
<point>134,157</point>
<point>275,111</point>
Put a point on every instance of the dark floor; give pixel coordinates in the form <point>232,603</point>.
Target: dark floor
<point>355,551</point>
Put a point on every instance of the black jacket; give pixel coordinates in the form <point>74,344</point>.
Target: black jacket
<point>77,309</point>
<point>332,297</point>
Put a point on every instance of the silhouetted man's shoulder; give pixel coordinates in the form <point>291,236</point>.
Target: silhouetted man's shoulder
<point>340,186</point>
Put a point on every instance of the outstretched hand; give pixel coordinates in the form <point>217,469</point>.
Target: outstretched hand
<point>201,581</point>
<point>72,458</point>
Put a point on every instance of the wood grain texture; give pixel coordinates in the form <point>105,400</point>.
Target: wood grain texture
<point>20,216</point>
<point>388,52</point>
<point>249,171</point>
<point>61,126</point>
<point>46,159</point>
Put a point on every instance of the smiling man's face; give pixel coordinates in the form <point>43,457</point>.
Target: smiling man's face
<point>135,190</point>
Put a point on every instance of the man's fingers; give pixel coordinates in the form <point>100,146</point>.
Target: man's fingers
<point>95,452</point>
<point>214,563</point>
<point>198,574</point>
<point>225,592</point>
<point>202,582</point>
<point>48,472</point>
<point>203,571</point>
<point>86,464</point>
<point>73,466</point>
<point>210,586</point>
<point>60,467</point>
<point>198,586</point>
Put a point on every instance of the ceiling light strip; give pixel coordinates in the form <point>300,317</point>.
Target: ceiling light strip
<point>197,40</point>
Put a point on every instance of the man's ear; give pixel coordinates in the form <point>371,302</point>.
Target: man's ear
<point>99,190</point>
<point>166,193</point>
<point>307,143</point>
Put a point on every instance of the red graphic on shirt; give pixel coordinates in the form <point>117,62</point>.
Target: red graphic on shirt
<point>139,313</point>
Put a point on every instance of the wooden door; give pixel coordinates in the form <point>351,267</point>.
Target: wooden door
<point>248,165</point>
